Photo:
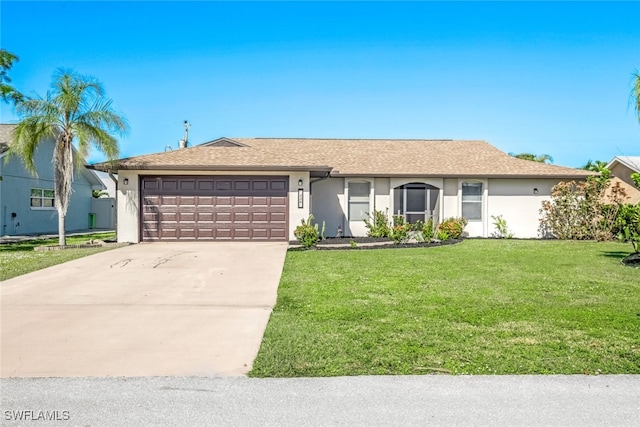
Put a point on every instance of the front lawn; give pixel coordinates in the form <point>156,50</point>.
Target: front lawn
<point>479,307</point>
<point>20,258</point>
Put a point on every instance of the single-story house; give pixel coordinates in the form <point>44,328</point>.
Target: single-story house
<point>27,201</point>
<point>262,188</point>
<point>621,168</point>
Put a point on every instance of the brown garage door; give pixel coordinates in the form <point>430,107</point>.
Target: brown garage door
<point>214,208</point>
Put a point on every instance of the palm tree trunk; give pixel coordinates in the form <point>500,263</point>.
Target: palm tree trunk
<point>62,237</point>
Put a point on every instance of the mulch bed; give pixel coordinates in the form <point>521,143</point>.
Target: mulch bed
<point>345,244</point>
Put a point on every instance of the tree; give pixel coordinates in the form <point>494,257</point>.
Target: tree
<point>595,165</point>
<point>540,158</point>
<point>7,92</point>
<point>73,111</point>
<point>635,92</point>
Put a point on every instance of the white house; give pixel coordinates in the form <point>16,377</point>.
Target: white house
<point>261,188</point>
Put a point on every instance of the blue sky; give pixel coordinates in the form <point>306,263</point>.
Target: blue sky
<point>541,77</point>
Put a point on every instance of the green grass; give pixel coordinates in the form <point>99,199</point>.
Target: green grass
<point>480,307</point>
<point>20,258</point>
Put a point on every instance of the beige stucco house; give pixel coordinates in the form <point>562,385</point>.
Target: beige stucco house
<point>261,188</point>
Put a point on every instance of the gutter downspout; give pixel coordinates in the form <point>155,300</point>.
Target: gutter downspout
<point>115,220</point>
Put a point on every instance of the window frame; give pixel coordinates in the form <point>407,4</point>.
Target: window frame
<point>480,199</point>
<point>42,198</point>
<point>360,199</point>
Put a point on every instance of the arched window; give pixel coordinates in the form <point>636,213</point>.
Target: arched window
<point>415,201</point>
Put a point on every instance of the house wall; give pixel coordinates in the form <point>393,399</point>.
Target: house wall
<point>516,201</point>
<point>128,209</point>
<point>15,197</point>
<point>327,197</point>
<point>622,172</point>
<point>104,208</point>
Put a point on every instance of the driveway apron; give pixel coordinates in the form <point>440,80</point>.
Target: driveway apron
<point>183,309</point>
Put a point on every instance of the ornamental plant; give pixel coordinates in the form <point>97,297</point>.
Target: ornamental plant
<point>307,233</point>
<point>378,224</point>
<point>502,229</point>
<point>427,230</point>
<point>400,231</point>
<point>453,227</point>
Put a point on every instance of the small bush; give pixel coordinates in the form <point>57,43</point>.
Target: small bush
<point>307,233</point>
<point>453,227</point>
<point>442,235</point>
<point>427,230</point>
<point>400,231</point>
<point>378,224</point>
<point>502,229</point>
<point>627,226</point>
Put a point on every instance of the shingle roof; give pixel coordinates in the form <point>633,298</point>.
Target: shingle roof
<point>370,157</point>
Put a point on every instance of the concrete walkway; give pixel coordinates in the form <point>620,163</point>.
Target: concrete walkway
<point>143,310</point>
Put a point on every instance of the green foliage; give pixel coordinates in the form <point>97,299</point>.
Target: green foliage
<point>453,227</point>
<point>442,235</point>
<point>636,179</point>
<point>7,92</point>
<point>595,165</point>
<point>540,158</point>
<point>582,210</point>
<point>353,244</point>
<point>627,226</point>
<point>378,224</point>
<point>635,93</point>
<point>502,229</point>
<point>307,233</point>
<point>96,194</point>
<point>427,230</point>
<point>400,231</point>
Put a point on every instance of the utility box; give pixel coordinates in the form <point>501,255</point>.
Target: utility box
<point>92,220</point>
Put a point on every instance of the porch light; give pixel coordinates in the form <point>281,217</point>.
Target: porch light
<point>126,181</point>
<point>535,191</point>
<point>299,183</point>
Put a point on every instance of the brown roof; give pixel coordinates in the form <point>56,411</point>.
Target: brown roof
<point>366,157</point>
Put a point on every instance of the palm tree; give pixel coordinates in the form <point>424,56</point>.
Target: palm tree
<point>7,92</point>
<point>595,165</point>
<point>540,158</point>
<point>74,111</point>
<point>635,92</point>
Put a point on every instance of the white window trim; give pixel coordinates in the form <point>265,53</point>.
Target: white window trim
<point>42,198</point>
<point>485,192</point>
<point>346,196</point>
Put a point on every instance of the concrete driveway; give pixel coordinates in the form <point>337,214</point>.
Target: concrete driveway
<point>185,309</point>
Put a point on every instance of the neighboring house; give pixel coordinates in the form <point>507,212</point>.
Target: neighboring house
<point>27,201</point>
<point>261,188</point>
<point>621,168</point>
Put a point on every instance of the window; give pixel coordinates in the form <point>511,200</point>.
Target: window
<point>42,199</point>
<point>415,201</point>
<point>472,201</point>
<point>358,200</point>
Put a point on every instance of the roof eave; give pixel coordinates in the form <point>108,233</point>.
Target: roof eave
<point>269,168</point>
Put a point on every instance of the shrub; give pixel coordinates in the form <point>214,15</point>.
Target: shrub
<point>442,235</point>
<point>400,231</point>
<point>502,230</point>
<point>453,227</point>
<point>627,225</point>
<point>582,210</point>
<point>307,233</point>
<point>378,224</point>
<point>427,230</point>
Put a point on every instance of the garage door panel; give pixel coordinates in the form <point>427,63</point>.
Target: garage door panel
<point>214,208</point>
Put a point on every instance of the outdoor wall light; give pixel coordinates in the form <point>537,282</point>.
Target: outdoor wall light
<point>126,181</point>
<point>535,191</point>
<point>299,183</point>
